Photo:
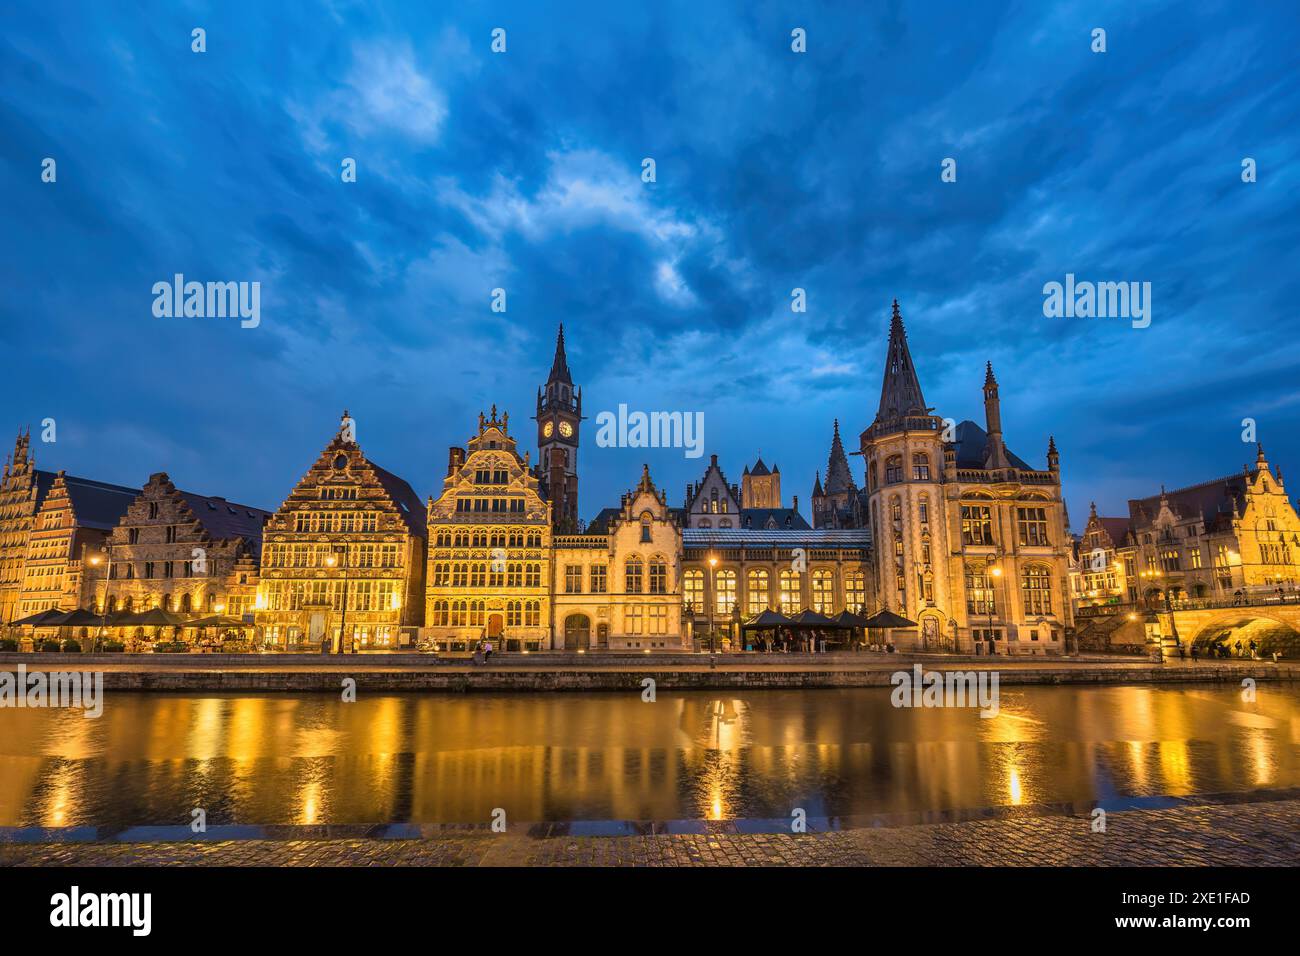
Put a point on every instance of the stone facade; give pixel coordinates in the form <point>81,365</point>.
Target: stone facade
<point>967,539</point>
<point>22,489</point>
<point>343,558</point>
<point>74,522</point>
<point>178,551</point>
<point>620,588</point>
<point>731,575</point>
<point>489,565</point>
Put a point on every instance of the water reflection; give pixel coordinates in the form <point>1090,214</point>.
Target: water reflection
<point>151,759</point>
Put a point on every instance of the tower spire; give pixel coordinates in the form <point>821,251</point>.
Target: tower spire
<point>995,452</point>
<point>839,478</point>
<point>900,393</point>
<point>560,367</point>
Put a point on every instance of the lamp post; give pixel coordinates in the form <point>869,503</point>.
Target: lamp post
<point>994,573</point>
<point>713,595</point>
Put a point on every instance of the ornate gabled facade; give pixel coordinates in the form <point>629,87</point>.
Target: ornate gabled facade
<point>178,550</point>
<point>73,524</point>
<point>968,539</point>
<point>490,547</point>
<point>343,558</point>
<point>1239,533</point>
<point>559,420</point>
<point>620,588</point>
<point>22,490</point>
<point>711,502</point>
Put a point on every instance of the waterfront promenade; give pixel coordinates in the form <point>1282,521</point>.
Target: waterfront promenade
<point>1260,829</point>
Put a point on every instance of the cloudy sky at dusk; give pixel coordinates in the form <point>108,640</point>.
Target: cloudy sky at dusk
<point>521,170</point>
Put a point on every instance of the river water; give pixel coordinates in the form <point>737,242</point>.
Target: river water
<point>151,759</point>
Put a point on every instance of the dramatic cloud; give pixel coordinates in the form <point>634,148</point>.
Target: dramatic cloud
<point>523,171</point>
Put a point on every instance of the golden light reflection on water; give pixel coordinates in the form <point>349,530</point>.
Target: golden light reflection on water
<point>427,758</point>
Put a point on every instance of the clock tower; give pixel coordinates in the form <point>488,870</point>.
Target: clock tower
<point>559,415</point>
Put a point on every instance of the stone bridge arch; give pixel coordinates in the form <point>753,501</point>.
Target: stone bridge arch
<point>1274,629</point>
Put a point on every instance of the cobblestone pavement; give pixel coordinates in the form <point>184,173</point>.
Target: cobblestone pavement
<point>1259,834</point>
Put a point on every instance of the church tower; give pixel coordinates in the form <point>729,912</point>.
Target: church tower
<point>559,416</point>
<point>904,451</point>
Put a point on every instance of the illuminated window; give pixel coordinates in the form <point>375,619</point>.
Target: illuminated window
<point>1036,586</point>
<point>725,585</point>
<point>823,591</point>
<point>693,590</point>
<point>756,592</point>
<point>790,592</point>
<point>632,575</point>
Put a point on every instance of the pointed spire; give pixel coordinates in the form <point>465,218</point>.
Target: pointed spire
<point>839,477</point>
<point>560,367</point>
<point>1260,460</point>
<point>988,375</point>
<point>1092,510</point>
<point>817,486</point>
<point>900,392</point>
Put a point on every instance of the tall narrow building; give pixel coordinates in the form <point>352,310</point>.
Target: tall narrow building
<point>904,449</point>
<point>343,558</point>
<point>22,490</point>
<point>559,417</point>
<point>968,539</point>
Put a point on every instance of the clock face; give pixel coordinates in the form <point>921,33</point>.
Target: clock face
<point>566,429</point>
<point>548,428</point>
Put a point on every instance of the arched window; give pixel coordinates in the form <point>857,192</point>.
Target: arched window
<point>632,575</point>
<point>790,588</point>
<point>823,591</point>
<point>693,590</point>
<point>658,575</point>
<point>871,475</point>
<point>646,520</point>
<point>756,592</point>
<point>706,523</point>
<point>187,604</point>
<point>1036,586</point>
<point>893,469</point>
<point>725,583</point>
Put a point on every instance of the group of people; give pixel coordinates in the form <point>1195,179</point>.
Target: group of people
<point>1221,649</point>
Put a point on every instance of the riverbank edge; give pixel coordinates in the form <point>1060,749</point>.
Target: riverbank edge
<point>548,830</point>
<point>328,675</point>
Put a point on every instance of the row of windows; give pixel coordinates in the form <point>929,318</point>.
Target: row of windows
<point>757,597</point>
<point>480,574</point>
<point>977,526</point>
<point>473,614</point>
<point>1035,591</point>
<point>497,538</point>
<point>894,470</point>
<point>321,555</point>
<point>335,522</point>
<point>361,595</point>
<point>491,505</point>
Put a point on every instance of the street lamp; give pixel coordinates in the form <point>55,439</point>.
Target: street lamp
<point>713,595</point>
<point>994,572</point>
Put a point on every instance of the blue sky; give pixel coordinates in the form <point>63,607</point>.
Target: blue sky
<point>521,170</point>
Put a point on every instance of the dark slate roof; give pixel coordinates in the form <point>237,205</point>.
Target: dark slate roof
<point>971,441</point>
<point>759,469</point>
<point>1208,500</point>
<point>758,518</point>
<point>98,504</point>
<point>1117,528</point>
<point>407,501</point>
<point>600,523</point>
<point>227,519</point>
